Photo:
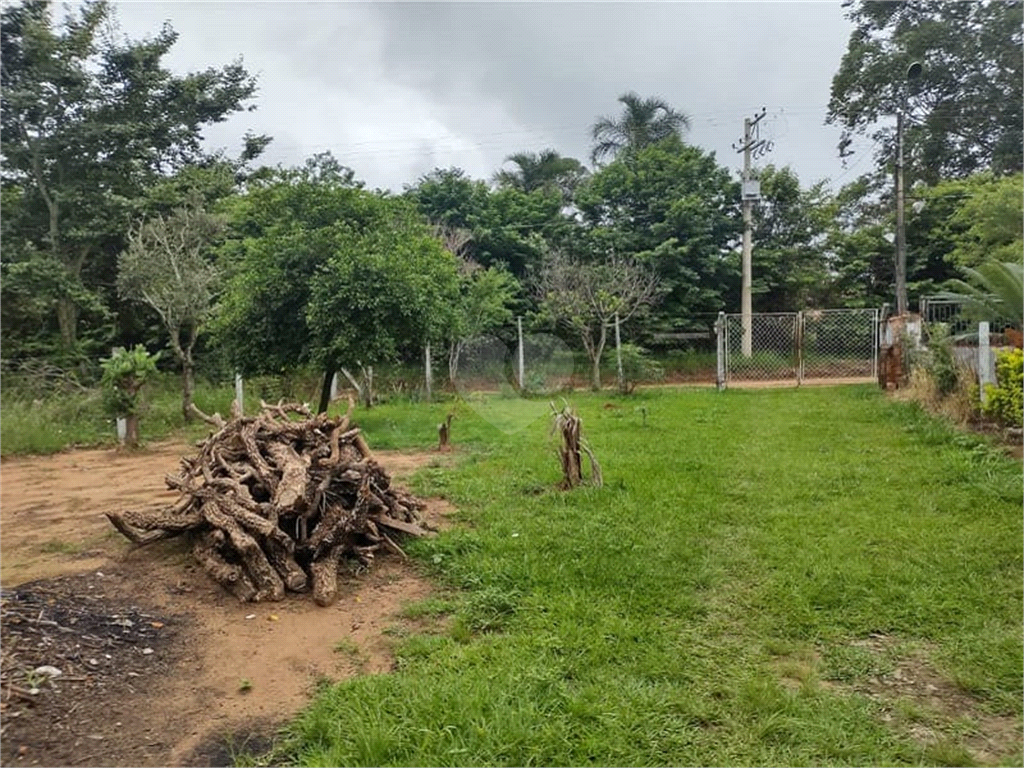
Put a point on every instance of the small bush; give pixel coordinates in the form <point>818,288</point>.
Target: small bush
<point>639,366</point>
<point>1005,401</point>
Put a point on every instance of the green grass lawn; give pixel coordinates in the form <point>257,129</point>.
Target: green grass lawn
<point>758,564</point>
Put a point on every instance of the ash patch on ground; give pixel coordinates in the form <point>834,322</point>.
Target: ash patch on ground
<point>76,658</point>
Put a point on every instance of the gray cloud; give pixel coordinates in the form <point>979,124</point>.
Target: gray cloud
<point>395,89</point>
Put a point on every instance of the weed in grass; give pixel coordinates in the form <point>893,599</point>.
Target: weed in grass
<point>57,547</point>
<point>348,647</point>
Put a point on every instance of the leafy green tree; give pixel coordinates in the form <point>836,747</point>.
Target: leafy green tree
<point>964,111</point>
<point>643,122</point>
<point>485,300</point>
<point>790,226</point>
<point>384,293</point>
<point>325,273</point>
<point>673,207</point>
<point>546,169</point>
<point>509,227</point>
<point>167,266</point>
<point>87,122</point>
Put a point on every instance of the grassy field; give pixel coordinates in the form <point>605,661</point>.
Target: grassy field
<point>798,577</point>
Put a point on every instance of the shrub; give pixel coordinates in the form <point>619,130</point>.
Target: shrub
<point>940,364</point>
<point>638,365</point>
<point>1005,401</point>
<point>125,372</point>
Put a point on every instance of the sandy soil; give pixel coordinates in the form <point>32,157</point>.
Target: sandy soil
<point>216,668</point>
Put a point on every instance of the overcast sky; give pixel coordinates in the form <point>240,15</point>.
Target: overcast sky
<point>396,89</point>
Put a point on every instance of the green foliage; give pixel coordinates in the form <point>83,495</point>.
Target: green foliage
<point>1005,401</point>
<point>544,170</point>
<point>509,227</point>
<point>90,120</point>
<point>940,363</point>
<point>964,109</point>
<point>789,228</point>
<point>643,122</point>
<point>673,207</point>
<point>280,234</point>
<point>638,365</point>
<point>995,291</point>
<point>382,293</point>
<point>125,373</point>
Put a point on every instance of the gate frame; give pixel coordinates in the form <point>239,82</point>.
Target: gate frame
<point>723,376</point>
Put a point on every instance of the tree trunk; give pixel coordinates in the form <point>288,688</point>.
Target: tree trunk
<point>453,361</point>
<point>595,359</point>
<point>188,386</point>
<point>131,437</point>
<point>67,320</point>
<point>325,390</point>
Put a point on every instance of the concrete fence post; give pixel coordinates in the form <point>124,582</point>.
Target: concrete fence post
<point>239,394</point>
<point>986,370</point>
<point>720,349</point>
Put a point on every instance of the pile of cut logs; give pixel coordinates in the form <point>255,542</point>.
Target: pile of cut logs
<point>275,504</point>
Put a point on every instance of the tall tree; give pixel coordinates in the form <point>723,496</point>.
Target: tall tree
<point>542,170</point>
<point>790,226</point>
<point>167,266</point>
<point>964,111</point>
<point>326,274</point>
<point>643,122</point>
<point>672,206</point>
<point>87,122</point>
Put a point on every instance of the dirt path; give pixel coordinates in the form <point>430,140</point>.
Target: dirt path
<point>215,666</point>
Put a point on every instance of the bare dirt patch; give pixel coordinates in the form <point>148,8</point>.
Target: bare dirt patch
<point>214,666</point>
<point>913,696</point>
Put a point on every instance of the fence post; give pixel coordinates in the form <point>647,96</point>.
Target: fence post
<point>799,338</point>
<point>720,351</point>
<point>239,395</point>
<point>334,387</point>
<point>985,373</point>
<point>519,326</point>
<point>618,357</point>
<point>429,374</point>
<point>876,328</point>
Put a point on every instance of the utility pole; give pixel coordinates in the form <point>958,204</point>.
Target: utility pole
<point>751,192</point>
<point>913,73</point>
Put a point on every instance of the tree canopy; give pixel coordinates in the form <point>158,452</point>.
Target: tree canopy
<point>88,121</point>
<point>642,122</point>
<point>963,110</point>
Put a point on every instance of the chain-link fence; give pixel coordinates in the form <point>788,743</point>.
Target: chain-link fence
<point>819,344</point>
<point>768,353</point>
<point>839,344</point>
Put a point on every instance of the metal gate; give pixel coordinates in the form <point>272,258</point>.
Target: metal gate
<point>828,345</point>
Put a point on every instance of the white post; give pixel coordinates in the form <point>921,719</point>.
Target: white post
<point>985,373</point>
<point>618,356</point>
<point>239,395</point>
<point>519,324</point>
<point>122,429</point>
<point>334,386</point>
<point>720,338</point>
<point>429,374</point>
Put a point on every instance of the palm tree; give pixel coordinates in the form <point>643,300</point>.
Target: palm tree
<point>546,169</point>
<point>643,122</point>
<point>995,291</point>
